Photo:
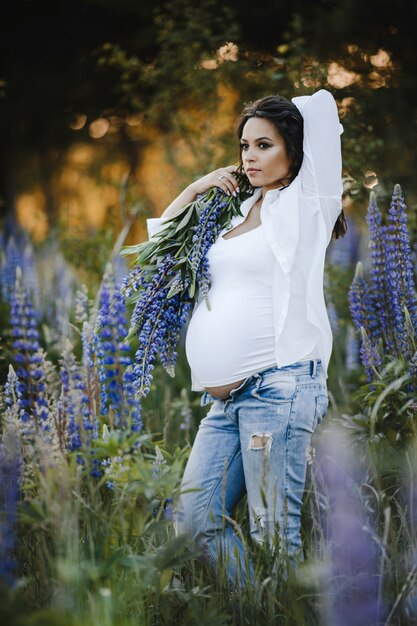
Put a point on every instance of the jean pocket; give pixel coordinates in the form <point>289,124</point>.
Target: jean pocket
<point>322,404</point>
<point>274,389</point>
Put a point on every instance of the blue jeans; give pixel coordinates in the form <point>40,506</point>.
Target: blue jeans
<point>257,442</point>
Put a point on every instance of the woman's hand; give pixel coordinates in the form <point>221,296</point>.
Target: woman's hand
<point>222,177</point>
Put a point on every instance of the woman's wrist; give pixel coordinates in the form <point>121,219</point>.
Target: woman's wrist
<point>178,205</point>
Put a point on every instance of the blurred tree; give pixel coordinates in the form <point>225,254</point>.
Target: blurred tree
<point>99,58</point>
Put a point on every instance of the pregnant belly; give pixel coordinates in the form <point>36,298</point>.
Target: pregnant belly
<point>223,391</point>
<point>232,341</point>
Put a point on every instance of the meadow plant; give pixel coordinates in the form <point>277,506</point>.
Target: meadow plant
<point>385,312</point>
<point>351,584</point>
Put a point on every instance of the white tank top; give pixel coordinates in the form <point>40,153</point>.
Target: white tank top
<point>234,339</point>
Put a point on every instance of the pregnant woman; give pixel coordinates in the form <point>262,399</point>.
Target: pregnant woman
<point>260,355</point>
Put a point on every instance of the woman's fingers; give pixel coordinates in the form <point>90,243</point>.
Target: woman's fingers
<point>226,181</point>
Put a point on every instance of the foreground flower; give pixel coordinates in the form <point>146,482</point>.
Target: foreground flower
<point>352,583</point>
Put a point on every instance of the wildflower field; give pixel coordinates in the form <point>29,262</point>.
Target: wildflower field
<point>90,469</point>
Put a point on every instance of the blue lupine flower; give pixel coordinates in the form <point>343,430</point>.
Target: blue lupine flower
<point>205,234</point>
<point>59,285</point>
<point>30,274</point>
<point>154,331</point>
<point>175,316</point>
<point>413,365</point>
<point>10,464</point>
<point>132,401</point>
<point>74,401</point>
<point>77,407</point>
<point>387,310</point>
<point>12,260</point>
<point>351,589</point>
<point>81,309</point>
<point>379,286</point>
<point>117,393</point>
<point>370,354</point>
<point>164,302</point>
<point>362,307</point>
<point>168,509</point>
<point>400,272</point>
<point>28,358</point>
<point>352,349</point>
<point>120,270</point>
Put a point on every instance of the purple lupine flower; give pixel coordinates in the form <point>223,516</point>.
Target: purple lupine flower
<point>370,354</point>
<point>132,401</point>
<point>11,261</point>
<point>166,295</point>
<point>400,273</point>
<point>361,305</point>
<point>81,308</point>
<point>30,274</point>
<point>379,285</point>
<point>113,354</point>
<point>59,284</point>
<point>407,495</point>
<point>154,331</point>
<point>79,422</point>
<point>28,358</point>
<point>10,464</point>
<point>120,269</point>
<point>413,365</point>
<point>364,318</point>
<point>352,349</point>
<point>205,234</point>
<point>175,316</point>
<point>74,407</point>
<point>351,589</point>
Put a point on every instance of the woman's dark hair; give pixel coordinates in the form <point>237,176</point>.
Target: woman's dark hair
<point>289,123</point>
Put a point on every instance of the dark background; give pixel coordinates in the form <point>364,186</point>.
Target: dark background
<point>101,56</point>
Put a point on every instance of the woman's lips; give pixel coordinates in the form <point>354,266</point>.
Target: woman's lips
<point>252,171</point>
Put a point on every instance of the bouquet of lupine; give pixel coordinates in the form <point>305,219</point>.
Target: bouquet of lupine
<point>170,274</point>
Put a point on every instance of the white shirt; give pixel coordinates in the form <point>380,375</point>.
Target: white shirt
<point>299,221</point>
<point>234,339</point>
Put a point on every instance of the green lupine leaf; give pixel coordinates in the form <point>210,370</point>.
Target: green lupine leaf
<point>185,219</point>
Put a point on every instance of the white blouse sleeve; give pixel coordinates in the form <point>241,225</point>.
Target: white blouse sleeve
<point>321,170</point>
<point>154,225</point>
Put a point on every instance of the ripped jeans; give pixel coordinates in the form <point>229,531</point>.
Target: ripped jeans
<point>257,441</point>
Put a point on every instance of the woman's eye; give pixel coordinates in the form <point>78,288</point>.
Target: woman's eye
<point>244,146</point>
<point>264,145</point>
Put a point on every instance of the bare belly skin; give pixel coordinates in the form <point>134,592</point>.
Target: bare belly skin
<point>223,391</point>
<point>253,220</point>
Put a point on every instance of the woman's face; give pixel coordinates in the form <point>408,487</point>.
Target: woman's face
<point>264,155</point>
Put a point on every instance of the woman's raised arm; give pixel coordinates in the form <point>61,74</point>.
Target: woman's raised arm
<point>321,170</point>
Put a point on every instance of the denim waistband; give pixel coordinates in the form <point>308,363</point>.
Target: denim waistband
<point>311,367</point>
